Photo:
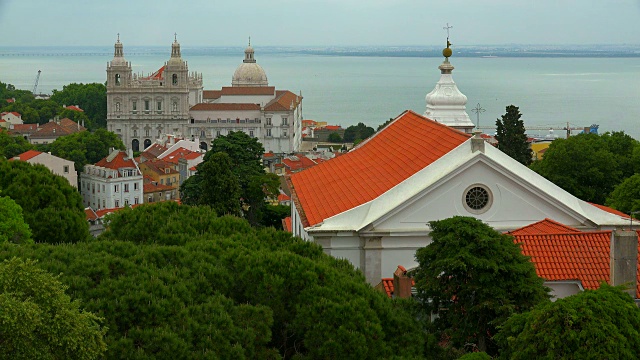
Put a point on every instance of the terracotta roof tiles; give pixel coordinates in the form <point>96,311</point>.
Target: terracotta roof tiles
<point>283,101</point>
<point>28,155</point>
<point>286,224</point>
<point>120,161</point>
<point>211,94</point>
<point>546,226</point>
<point>224,107</point>
<point>407,145</point>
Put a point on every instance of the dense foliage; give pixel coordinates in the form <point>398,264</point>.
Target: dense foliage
<point>85,147</point>
<point>256,186</point>
<point>13,229</point>
<point>51,206</point>
<point>11,146</point>
<point>39,321</point>
<point>511,136</point>
<point>334,137</point>
<point>177,281</point>
<point>596,324</point>
<point>626,195</point>
<point>92,98</point>
<point>590,166</point>
<point>357,133</point>
<point>474,278</point>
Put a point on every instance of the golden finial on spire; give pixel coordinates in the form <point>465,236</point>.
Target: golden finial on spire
<point>447,52</point>
<point>249,40</point>
<point>175,37</point>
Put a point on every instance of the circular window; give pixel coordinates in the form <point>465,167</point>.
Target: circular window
<point>477,199</point>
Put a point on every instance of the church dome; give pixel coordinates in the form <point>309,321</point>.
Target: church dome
<point>249,73</point>
<point>118,54</point>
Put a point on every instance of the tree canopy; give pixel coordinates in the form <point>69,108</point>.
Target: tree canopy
<point>357,133</point>
<point>13,229</point>
<point>334,137</point>
<point>511,136</point>
<point>11,146</point>
<point>51,206</point>
<point>174,280</point>
<point>85,147</point>
<point>625,196</point>
<point>474,278</point>
<point>39,321</point>
<point>92,98</point>
<point>245,155</point>
<point>589,166</point>
<point>594,324</point>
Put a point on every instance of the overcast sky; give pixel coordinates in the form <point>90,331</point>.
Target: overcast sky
<point>318,22</point>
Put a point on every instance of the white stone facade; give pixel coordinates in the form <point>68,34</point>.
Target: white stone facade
<point>114,182</point>
<point>143,109</point>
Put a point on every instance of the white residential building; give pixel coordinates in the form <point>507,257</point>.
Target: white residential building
<point>58,166</point>
<point>113,182</point>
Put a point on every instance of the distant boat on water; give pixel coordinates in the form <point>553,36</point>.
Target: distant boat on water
<point>489,56</point>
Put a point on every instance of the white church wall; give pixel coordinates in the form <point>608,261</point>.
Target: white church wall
<point>246,99</point>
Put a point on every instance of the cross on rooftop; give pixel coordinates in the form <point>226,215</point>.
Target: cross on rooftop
<point>478,109</point>
<point>249,40</point>
<point>118,37</point>
<point>447,28</point>
<point>175,37</point>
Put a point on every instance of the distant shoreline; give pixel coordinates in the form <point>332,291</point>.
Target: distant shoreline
<point>490,52</point>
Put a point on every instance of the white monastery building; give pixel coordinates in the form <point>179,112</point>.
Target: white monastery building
<point>172,101</point>
<point>377,200</point>
<point>113,182</point>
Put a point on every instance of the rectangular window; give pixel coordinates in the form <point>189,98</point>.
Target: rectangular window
<point>159,105</point>
<point>126,202</point>
<point>269,121</point>
<point>150,199</point>
<point>102,188</point>
<point>218,133</point>
<point>117,203</point>
<point>66,169</point>
<point>116,188</point>
<point>126,187</point>
<point>134,105</point>
<point>162,181</point>
<point>251,133</point>
<point>285,121</point>
<point>146,105</point>
<point>268,132</point>
<point>104,203</point>
<point>135,186</point>
<point>136,201</point>
<point>284,133</point>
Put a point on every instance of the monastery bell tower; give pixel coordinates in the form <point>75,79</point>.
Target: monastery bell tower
<point>446,104</point>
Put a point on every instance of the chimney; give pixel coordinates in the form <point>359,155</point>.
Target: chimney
<point>402,283</point>
<point>624,260</point>
<point>477,142</point>
<point>130,153</point>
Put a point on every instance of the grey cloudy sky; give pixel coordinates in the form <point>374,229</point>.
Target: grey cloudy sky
<point>319,22</point>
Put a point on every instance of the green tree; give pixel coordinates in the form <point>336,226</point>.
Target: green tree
<point>11,146</point>
<point>92,98</point>
<point>357,133</point>
<point>384,124</point>
<point>220,186</point>
<point>77,116</point>
<point>13,229</point>
<point>589,166</point>
<point>47,109</point>
<point>273,215</point>
<point>626,195</point>
<point>51,206</point>
<point>474,278</point>
<point>511,136</point>
<point>85,147</point>
<point>173,279</point>
<point>39,321</point>
<point>594,324</point>
<point>334,137</point>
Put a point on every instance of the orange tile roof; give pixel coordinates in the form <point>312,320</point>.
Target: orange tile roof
<point>224,107</point>
<point>546,226</point>
<point>90,214</point>
<point>117,162</point>
<point>298,163</point>
<point>50,129</point>
<point>610,210</point>
<point>153,151</point>
<point>211,94</point>
<point>74,108</point>
<point>247,90</point>
<point>387,283</point>
<point>158,75</point>
<point>179,153</point>
<point>24,128</point>
<point>286,224</point>
<point>28,155</point>
<point>11,112</point>
<point>333,127</point>
<point>309,122</point>
<point>407,145</point>
<point>283,197</point>
<point>71,126</point>
<point>283,101</point>
<point>159,167</point>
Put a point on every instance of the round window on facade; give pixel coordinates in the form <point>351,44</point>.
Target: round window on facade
<point>477,199</point>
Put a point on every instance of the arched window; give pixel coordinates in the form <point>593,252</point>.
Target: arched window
<point>203,146</point>
<point>118,107</point>
<point>117,79</point>
<point>174,79</point>
<point>175,106</point>
<point>202,134</point>
<point>135,145</point>
<point>147,143</point>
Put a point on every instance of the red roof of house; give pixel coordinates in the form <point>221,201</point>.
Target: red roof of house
<point>225,107</point>
<point>286,224</point>
<point>158,75</point>
<point>298,163</point>
<point>179,153</point>
<point>211,94</point>
<point>333,127</point>
<point>90,214</point>
<point>153,151</point>
<point>74,108</point>
<point>546,226</point>
<point>24,128</point>
<point>11,112</point>
<point>11,100</point>
<point>120,161</point>
<point>248,90</point>
<point>407,145</point>
<point>387,283</point>
<point>283,197</point>
<point>71,126</point>
<point>283,101</point>
<point>309,123</point>
<point>50,130</point>
<point>159,167</point>
<point>28,155</point>
<point>610,210</point>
